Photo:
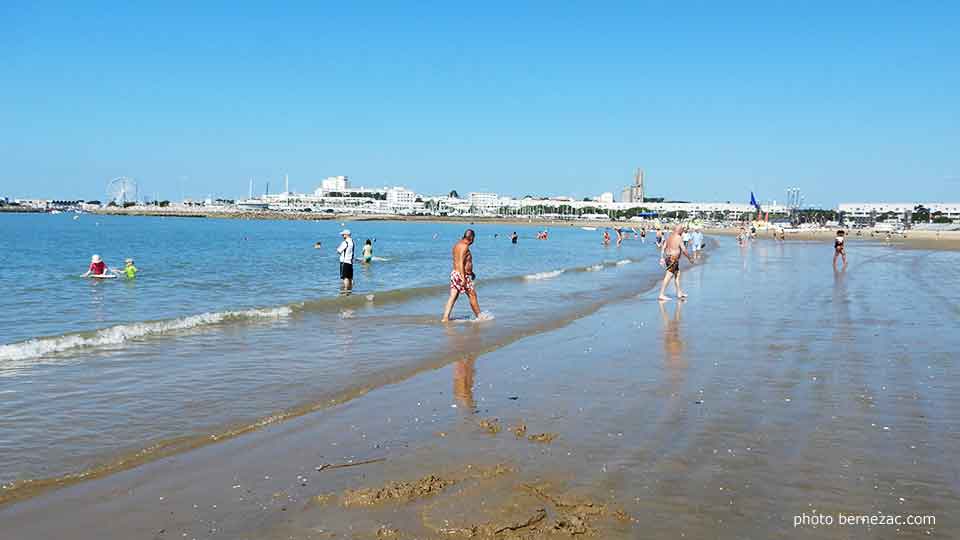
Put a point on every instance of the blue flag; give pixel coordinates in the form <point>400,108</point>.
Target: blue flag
<point>753,201</point>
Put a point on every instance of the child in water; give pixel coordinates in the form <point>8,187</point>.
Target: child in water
<point>129,269</point>
<point>367,252</point>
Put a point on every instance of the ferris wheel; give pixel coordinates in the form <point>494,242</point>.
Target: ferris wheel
<point>122,190</point>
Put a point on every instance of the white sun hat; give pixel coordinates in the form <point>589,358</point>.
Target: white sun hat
<point>345,232</point>
<point>95,259</point>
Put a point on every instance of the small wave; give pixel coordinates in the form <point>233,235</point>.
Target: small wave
<point>121,333</point>
<point>544,275</point>
<point>623,262</point>
<point>381,259</point>
<point>594,268</point>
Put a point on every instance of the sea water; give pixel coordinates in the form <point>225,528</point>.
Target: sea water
<point>234,324</point>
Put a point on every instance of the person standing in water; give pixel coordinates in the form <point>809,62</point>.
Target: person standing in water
<point>670,259</point>
<point>346,251</point>
<point>367,252</point>
<point>839,248</point>
<point>619,235</point>
<point>98,267</point>
<point>513,237</point>
<point>659,237</point>
<point>696,243</point>
<point>462,276</point>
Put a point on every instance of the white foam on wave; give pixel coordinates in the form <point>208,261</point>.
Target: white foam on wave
<point>594,268</point>
<point>623,262</point>
<point>544,275</point>
<point>381,259</point>
<point>121,333</point>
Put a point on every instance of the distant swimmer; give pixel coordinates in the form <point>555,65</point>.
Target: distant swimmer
<point>462,276</point>
<point>643,235</point>
<point>98,268</point>
<point>606,237</point>
<point>129,269</point>
<point>670,259</point>
<point>839,248</point>
<point>346,251</point>
<point>513,237</point>
<point>367,252</point>
<point>317,245</point>
<point>436,235</point>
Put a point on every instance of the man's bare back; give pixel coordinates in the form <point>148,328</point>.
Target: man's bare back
<point>674,244</point>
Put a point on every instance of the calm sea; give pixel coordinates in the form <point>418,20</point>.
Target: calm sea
<point>236,324</point>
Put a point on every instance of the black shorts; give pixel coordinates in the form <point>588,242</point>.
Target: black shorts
<point>346,270</point>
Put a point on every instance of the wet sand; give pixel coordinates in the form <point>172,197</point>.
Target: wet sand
<point>780,388</point>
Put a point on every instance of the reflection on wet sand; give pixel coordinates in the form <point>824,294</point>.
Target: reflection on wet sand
<point>463,372</point>
<point>463,369</point>
<point>673,344</point>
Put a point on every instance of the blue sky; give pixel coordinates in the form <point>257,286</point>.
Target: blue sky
<point>847,100</point>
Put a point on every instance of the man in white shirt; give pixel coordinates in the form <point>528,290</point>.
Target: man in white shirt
<point>346,259</point>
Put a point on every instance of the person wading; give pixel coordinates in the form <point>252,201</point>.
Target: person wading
<point>462,276</point>
<point>670,259</point>
<point>346,259</point>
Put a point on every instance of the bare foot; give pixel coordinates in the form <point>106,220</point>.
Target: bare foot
<point>663,298</point>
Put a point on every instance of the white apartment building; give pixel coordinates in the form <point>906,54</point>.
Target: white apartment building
<point>868,211</point>
<point>401,200</point>
<point>605,197</point>
<point>333,183</point>
<point>484,202</point>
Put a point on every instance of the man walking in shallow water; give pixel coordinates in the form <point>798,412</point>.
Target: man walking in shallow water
<point>462,276</point>
<point>670,259</point>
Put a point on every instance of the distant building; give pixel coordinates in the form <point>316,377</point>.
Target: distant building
<point>39,204</point>
<point>401,199</point>
<point>870,212</point>
<point>334,183</point>
<point>606,197</point>
<point>634,192</point>
<point>484,202</point>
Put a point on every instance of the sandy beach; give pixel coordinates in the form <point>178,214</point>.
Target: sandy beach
<point>780,389</point>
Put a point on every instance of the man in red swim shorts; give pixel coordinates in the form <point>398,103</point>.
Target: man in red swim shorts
<point>462,276</point>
